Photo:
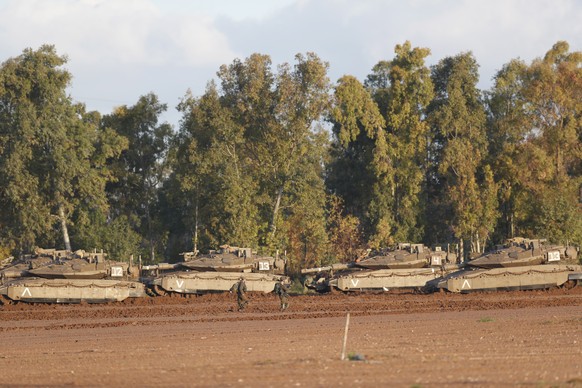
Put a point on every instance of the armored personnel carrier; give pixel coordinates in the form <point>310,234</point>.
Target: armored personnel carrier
<point>412,266</point>
<point>58,276</point>
<point>216,271</point>
<point>520,264</point>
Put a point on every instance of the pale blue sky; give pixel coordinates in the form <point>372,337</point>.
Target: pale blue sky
<point>121,49</point>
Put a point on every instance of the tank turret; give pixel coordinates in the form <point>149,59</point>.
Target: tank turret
<point>404,265</point>
<point>216,271</point>
<point>58,276</point>
<point>520,264</point>
<point>519,252</point>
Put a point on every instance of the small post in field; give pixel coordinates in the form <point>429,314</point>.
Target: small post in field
<point>343,356</point>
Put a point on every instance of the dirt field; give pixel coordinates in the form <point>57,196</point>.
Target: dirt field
<point>528,338</point>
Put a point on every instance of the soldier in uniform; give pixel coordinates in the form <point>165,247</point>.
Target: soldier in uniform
<point>240,288</point>
<point>283,295</point>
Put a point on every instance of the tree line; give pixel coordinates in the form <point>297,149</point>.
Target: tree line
<point>284,159</point>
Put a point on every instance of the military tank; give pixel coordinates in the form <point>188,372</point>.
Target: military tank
<point>403,266</point>
<point>216,271</point>
<point>520,264</point>
<point>59,276</point>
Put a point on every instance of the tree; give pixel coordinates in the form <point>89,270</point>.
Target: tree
<point>379,152</point>
<point>507,132</point>
<point>346,240</point>
<point>403,89</point>
<point>361,168</point>
<point>212,172</point>
<point>53,156</point>
<point>304,228</point>
<point>458,148</point>
<point>250,156</point>
<point>277,112</point>
<point>142,167</point>
<point>540,149</point>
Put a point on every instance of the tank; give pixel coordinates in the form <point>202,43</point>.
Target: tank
<point>404,266</point>
<point>216,271</point>
<point>59,276</point>
<point>519,264</point>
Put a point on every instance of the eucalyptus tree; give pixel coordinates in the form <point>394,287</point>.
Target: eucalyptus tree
<point>403,89</point>
<point>278,112</point>
<point>141,168</point>
<point>53,155</point>
<point>507,133</point>
<point>462,186</point>
<point>380,146</point>
<point>361,168</point>
<point>251,144</point>
<point>554,93</point>
<point>535,121</point>
<point>210,167</point>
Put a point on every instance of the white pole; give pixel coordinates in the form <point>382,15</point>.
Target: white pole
<point>343,356</point>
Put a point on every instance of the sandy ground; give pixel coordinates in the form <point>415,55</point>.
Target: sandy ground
<point>527,338</point>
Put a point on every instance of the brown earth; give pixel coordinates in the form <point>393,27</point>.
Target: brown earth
<point>522,338</point>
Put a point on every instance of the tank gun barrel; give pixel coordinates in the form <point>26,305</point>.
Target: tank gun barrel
<point>453,266</point>
<point>333,267</point>
<point>160,266</point>
<point>11,274</point>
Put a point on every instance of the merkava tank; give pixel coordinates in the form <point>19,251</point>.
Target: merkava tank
<point>59,276</point>
<point>520,264</point>
<point>216,271</point>
<point>404,266</point>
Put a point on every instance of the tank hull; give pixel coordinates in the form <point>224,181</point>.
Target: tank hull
<point>71,290</point>
<point>190,282</point>
<point>511,278</point>
<point>217,268</point>
<point>389,279</point>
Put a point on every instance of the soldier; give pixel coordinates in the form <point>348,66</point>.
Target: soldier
<point>240,288</point>
<point>283,295</point>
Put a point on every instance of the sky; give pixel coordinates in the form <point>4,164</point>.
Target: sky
<point>119,50</point>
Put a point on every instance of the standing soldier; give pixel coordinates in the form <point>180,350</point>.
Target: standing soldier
<point>240,288</point>
<point>283,295</point>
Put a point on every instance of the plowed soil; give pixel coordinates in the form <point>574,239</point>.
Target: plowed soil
<point>521,338</point>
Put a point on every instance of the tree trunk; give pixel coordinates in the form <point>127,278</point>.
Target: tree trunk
<point>461,250</point>
<point>196,225</point>
<point>64,228</point>
<point>273,226</point>
<point>478,242</point>
<point>558,162</point>
<point>149,232</point>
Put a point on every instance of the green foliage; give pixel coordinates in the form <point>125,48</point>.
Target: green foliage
<point>53,156</point>
<point>458,150</point>
<point>297,287</point>
<point>115,237</point>
<point>380,146</point>
<point>536,131</point>
<point>249,158</point>
<point>304,231</point>
<point>360,164</point>
<point>211,172</point>
<point>5,251</point>
<point>344,231</point>
<point>411,154</point>
<point>404,102</point>
<point>140,169</point>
